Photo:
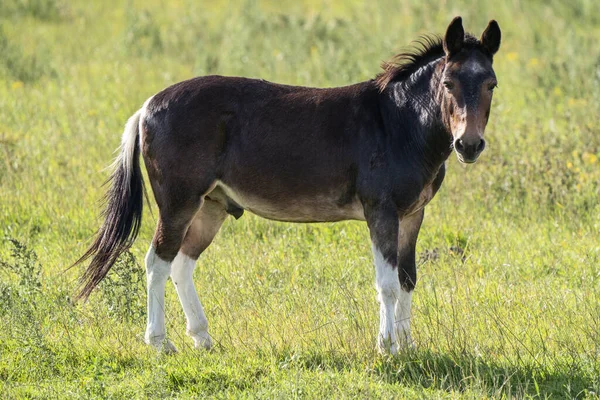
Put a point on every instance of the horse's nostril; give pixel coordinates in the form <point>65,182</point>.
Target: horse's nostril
<point>481,146</point>
<point>459,145</point>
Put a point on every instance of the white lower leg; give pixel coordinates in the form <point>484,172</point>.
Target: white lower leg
<point>182,275</point>
<point>388,289</point>
<point>402,325</point>
<point>157,273</point>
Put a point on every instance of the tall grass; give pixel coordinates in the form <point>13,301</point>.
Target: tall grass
<point>507,302</point>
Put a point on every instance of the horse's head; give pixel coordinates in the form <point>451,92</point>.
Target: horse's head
<point>469,81</point>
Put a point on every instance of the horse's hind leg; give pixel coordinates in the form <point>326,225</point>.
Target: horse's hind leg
<point>175,217</point>
<point>199,235</point>
<point>157,273</point>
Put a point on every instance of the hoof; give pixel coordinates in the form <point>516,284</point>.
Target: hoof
<point>401,343</point>
<point>168,347</point>
<point>404,340</point>
<point>162,344</point>
<point>202,340</point>
<point>387,346</point>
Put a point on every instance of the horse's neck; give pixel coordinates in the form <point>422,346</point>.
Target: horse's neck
<point>415,117</point>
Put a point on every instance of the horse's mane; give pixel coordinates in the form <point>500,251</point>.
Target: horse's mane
<point>422,51</point>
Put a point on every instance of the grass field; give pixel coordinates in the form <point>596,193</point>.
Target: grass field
<point>508,301</point>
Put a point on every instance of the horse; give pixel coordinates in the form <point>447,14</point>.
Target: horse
<point>374,151</point>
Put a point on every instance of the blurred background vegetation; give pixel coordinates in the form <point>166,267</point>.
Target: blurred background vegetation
<point>507,304</point>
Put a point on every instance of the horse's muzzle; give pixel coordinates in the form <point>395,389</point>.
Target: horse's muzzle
<point>469,151</point>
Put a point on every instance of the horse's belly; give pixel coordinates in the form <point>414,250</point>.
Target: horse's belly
<point>314,208</point>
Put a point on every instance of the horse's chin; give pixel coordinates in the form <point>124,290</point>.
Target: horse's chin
<point>465,160</point>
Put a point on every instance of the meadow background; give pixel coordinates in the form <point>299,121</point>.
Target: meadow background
<point>508,299</point>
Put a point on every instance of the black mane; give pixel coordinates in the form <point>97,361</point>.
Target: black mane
<point>424,50</point>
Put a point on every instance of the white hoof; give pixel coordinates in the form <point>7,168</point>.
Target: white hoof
<point>202,340</point>
<point>402,342</point>
<point>403,338</point>
<point>387,346</point>
<point>168,347</point>
<point>162,344</point>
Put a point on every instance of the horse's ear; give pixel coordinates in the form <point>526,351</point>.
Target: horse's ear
<point>490,38</point>
<point>455,37</point>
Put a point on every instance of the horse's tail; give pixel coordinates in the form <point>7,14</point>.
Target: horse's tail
<point>123,212</point>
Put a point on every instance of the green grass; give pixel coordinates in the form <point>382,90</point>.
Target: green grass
<point>508,301</point>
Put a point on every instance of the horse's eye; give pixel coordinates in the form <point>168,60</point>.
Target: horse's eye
<point>449,85</point>
<point>492,86</point>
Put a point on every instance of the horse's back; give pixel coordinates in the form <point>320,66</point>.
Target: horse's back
<point>269,146</point>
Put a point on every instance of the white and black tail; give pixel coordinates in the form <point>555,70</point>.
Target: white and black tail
<point>123,212</point>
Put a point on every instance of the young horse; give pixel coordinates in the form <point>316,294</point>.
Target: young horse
<point>373,151</point>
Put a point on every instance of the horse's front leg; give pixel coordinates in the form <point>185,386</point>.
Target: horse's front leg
<point>407,272</point>
<point>383,227</point>
<point>394,243</point>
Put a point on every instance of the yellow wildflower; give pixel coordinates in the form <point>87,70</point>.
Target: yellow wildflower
<point>534,62</point>
<point>589,158</point>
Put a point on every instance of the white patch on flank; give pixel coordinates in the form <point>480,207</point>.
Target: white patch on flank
<point>157,273</point>
<point>182,271</point>
<point>388,290</point>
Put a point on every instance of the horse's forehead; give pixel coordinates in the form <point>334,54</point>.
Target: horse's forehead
<point>475,65</point>
<point>472,65</point>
